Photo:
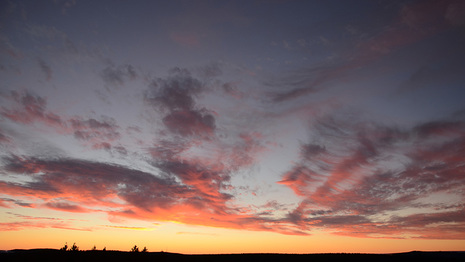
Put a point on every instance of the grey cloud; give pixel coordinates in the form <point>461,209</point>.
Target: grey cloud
<point>63,206</point>
<point>106,123</point>
<point>45,68</point>
<point>86,179</point>
<point>231,89</point>
<point>118,75</point>
<point>340,220</point>
<point>16,202</point>
<point>439,128</point>
<point>191,122</point>
<point>175,97</point>
<point>87,129</point>
<point>431,218</point>
<point>310,150</point>
<point>297,216</point>
<point>176,93</point>
<point>211,70</point>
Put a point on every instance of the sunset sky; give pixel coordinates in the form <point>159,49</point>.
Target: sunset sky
<point>233,126</point>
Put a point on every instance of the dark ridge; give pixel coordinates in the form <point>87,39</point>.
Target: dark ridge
<point>116,256</point>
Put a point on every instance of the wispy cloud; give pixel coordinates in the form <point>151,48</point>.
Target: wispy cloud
<point>5,202</point>
<point>362,172</point>
<point>131,228</point>
<point>96,186</point>
<point>14,226</point>
<point>26,222</point>
<point>30,109</point>
<point>402,30</point>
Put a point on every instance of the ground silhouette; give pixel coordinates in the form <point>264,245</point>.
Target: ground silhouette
<point>116,256</point>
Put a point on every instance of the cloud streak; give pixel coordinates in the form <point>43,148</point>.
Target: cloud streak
<point>29,109</point>
<point>355,183</point>
<point>433,17</point>
<point>79,186</point>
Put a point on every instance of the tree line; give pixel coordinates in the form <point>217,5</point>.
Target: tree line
<point>74,247</point>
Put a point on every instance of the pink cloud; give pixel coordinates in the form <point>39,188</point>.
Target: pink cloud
<point>344,182</point>
<point>22,225</point>
<point>29,222</point>
<point>29,109</point>
<point>299,179</point>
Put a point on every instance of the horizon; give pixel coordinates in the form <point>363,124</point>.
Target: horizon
<point>161,251</point>
<point>220,127</point>
<point>98,255</point>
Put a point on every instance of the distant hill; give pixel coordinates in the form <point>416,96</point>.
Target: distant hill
<point>116,256</point>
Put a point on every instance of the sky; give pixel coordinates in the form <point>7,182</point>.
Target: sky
<point>233,126</point>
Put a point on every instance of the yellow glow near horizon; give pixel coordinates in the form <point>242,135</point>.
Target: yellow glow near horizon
<point>49,229</point>
<point>171,237</point>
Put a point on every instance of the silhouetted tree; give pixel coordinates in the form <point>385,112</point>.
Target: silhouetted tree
<point>145,249</point>
<point>104,249</point>
<point>74,247</point>
<point>94,248</point>
<point>135,248</point>
<point>65,247</point>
